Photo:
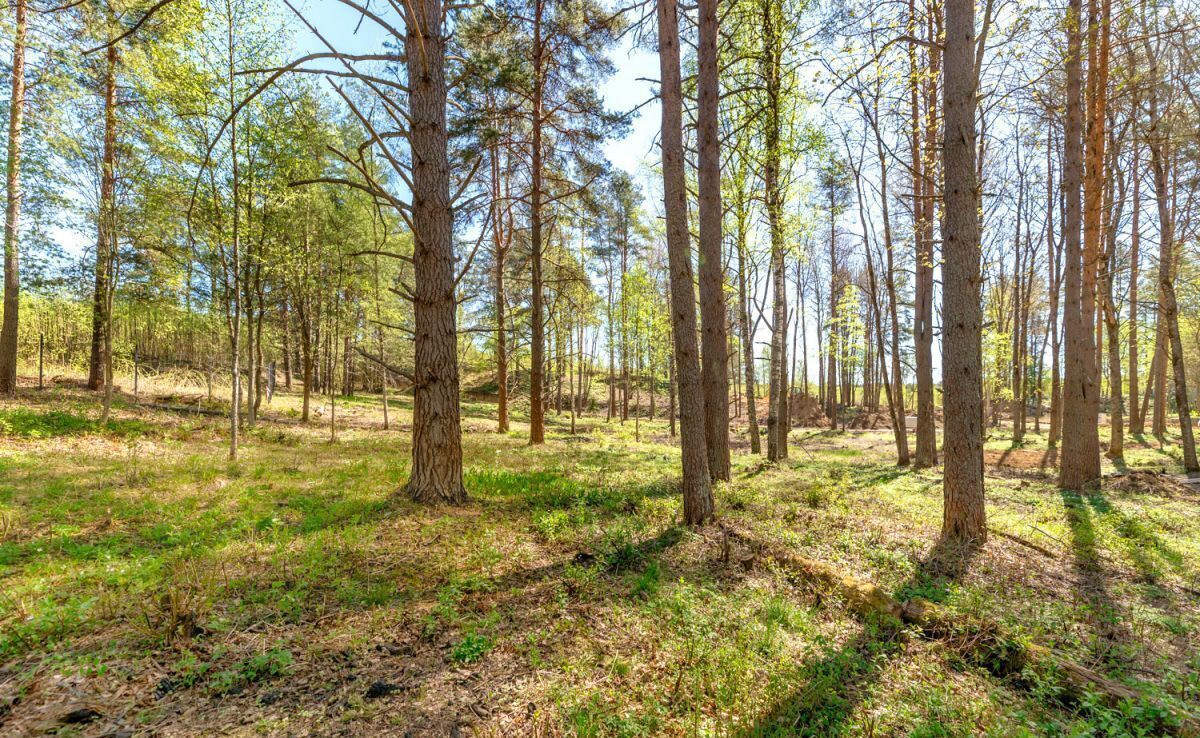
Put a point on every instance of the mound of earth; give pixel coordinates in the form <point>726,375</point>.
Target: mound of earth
<point>870,421</point>
<point>1144,481</point>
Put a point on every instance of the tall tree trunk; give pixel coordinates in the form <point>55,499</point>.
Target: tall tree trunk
<point>1108,307</point>
<point>499,252</point>
<point>1018,279</point>
<point>1116,419</point>
<point>437,433</point>
<point>715,360</point>
<point>624,319</point>
<point>1053,288</point>
<point>831,325</point>
<point>772,68</point>
<point>1080,464</point>
<point>744,329</point>
<point>12,211</point>
<point>570,331</point>
<point>612,355</point>
<point>672,406</point>
<point>234,267</point>
<point>926,440</point>
<point>104,221</point>
<point>964,517</point>
<point>895,410</point>
<point>896,393</point>
<point>1168,306</point>
<point>307,361</point>
<point>1137,420</point>
<point>537,362</point>
<point>286,330</point>
<point>697,485</point>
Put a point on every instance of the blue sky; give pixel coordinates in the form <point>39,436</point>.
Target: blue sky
<point>623,91</point>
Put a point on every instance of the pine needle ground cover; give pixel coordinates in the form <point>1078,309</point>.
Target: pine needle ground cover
<point>149,587</point>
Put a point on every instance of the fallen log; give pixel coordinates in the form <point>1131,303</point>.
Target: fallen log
<point>980,641</point>
<point>186,409</point>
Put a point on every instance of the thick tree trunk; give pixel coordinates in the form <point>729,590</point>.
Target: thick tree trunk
<point>697,485</point>
<point>12,211</point>
<point>714,357</point>
<point>437,434</point>
<point>964,517</point>
<point>104,221</point>
<point>1080,463</point>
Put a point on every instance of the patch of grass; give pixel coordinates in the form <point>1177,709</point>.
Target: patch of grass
<point>471,648</point>
<point>269,664</point>
<point>27,423</point>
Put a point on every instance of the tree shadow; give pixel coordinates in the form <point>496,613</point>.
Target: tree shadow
<point>1111,635</point>
<point>1050,458</point>
<point>837,683</point>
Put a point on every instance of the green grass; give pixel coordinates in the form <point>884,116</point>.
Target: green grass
<point>282,586</point>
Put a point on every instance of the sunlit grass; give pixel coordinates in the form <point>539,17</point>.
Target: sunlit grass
<point>140,540</point>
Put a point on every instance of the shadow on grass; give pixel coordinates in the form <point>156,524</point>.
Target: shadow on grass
<point>839,681</point>
<point>1111,634</point>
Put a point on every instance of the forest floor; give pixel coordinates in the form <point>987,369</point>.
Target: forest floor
<point>150,587</point>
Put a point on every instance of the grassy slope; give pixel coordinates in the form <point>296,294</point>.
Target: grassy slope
<point>144,578</point>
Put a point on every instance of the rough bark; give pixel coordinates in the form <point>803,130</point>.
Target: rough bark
<point>926,432</point>
<point>12,210</point>
<point>697,485</point>
<point>537,361</point>
<point>1080,461</point>
<point>437,434</point>
<point>104,220</point>
<point>714,356</point>
<point>771,62</point>
<point>964,518</point>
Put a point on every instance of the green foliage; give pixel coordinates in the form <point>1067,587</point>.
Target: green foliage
<point>471,648</point>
